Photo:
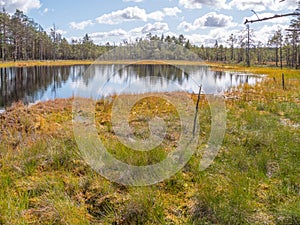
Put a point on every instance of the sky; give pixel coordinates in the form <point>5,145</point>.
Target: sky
<point>114,21</point>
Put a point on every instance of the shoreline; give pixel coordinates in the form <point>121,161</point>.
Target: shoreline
<point>100,62</point>
<point>215,65</point>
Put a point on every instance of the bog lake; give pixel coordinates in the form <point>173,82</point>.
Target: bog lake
<point>42,83</point>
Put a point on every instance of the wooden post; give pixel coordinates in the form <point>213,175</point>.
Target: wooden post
<point>283,83</point>
<point>197,109</point>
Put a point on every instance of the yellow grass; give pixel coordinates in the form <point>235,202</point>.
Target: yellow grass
<point>89,62</point>
<point>45,63</point>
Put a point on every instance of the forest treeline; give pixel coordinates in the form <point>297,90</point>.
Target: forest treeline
<point>21,38</point>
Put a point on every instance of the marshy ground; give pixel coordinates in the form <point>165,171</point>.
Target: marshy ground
<point>255,178</point>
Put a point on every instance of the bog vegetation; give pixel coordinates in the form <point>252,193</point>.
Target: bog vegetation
<point>254,179</point>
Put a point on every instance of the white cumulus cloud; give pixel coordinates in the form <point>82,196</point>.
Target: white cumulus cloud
<point>266,32</point>
<point>138,32</point>
<point>157,15</point>
<point>197,4</point>
<point>127,14</point>
<point>220,35</point>
<point>136,13</point>
<point>172,11</point>
<point>261,5</point>
<point>81,25</point>
<point>113,33</point>
<point>23,5</point>
<point>211,19</point>
<point>157,27</point>
<point>154,28</point>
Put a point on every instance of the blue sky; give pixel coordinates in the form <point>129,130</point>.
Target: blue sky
<point>201,21</point>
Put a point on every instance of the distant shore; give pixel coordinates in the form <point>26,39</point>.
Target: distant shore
<point>45,63</point>
<point>215,65</point>
<point>89,62</point>
<point>109,62</point>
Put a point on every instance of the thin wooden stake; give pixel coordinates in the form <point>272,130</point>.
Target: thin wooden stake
<point>197,109</point>
<point>283,85</point>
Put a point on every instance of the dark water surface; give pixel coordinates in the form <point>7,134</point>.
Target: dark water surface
<point>41,83</point>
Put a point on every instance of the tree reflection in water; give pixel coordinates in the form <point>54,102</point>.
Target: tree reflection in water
<point>31,84</point>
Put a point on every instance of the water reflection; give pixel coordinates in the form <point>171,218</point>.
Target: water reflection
<point>116,79</point>
<point>31,84</point>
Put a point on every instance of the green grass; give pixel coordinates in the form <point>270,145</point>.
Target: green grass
<point>255,178</point>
